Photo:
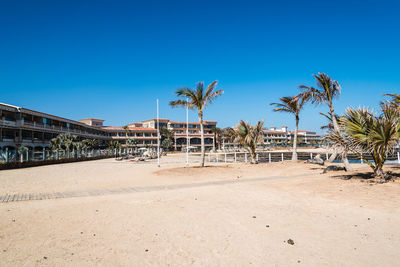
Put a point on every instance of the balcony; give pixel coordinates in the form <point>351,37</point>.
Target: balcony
<point>8,123</point>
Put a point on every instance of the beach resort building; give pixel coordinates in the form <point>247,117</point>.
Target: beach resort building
<point>33,129</point>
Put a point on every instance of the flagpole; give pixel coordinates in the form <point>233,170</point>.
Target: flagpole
<point>158,138</point>
<point>187,132</point>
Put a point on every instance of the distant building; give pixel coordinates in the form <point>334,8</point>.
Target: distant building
<point>283,136</point>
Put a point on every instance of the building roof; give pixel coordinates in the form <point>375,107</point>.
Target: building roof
<point>92,119</point>
<point>303,131</point>
<point>154,119</point>
<point>269,131</point>
<point>38,113</point>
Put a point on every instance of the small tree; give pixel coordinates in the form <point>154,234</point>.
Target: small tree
<point>249,137</point>
<point>217,137</point>
<point>364,132</point>
<point>166,144</point>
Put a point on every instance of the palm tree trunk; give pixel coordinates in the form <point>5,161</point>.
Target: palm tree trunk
<point>336,129</point>
<point>294,153</point>
<point>203,150</point>
<point>253,157</point>
<point>346,162</point>
<point>333,156</point>
<point>344,154</point>
<point>379,174</point>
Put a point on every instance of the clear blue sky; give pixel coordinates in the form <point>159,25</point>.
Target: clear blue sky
<point>112,59</point>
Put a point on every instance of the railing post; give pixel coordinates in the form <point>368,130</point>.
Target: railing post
<point>44,154</point>
<point>311,155</point>
<point>225,157</point>
<point>235,156</point>
<point>269,157</point>
<point>57,155</point>
<point>216,157</point>
<point>327,156</point>
<point>245,157</point>
<point>6,154</point>
<point>398,157</point>
<point>282,156</point>
<point>257,157</point>
<point>209,157</point>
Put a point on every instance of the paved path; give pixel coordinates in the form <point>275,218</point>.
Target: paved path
<point>41,196</point>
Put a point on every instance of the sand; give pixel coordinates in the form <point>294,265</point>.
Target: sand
<point>229,215</point>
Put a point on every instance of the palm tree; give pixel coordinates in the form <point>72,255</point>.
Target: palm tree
<point>328,89</point>
<point>249,137</point>
<point>394,100</point>
<point>293,105</point>
<point>78,147</point>
<point>55,143</point>
<point>217,137</point>
<point>364,132</point>
<point>166,133</point>
<point>127,130</point>
<point>91,143</point>
<point>198,99</point>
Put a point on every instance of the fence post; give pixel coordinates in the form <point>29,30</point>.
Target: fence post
<point>398,157</point>
<point>235,156</point>
<point>68,154</point>
<point>21,157</point>
<point>225,157</point>
<point>57,154</point>
<point>209,157</point>
<point>245,157</point>
<point>257,157</point>
<point>269,157</point>
<point>44,154</point>
<point>282,156</point>
<point>311,155</point>
<point>216,157</point>
<point>326,155</point>
<point>6,154</point>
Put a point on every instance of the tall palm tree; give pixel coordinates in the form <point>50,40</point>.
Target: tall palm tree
<point>249,137</point>
<point>293,105</point>
<point>198,99</point>
<point>328,89</point>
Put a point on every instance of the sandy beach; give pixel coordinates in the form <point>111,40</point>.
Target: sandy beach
<point>273,214</point>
